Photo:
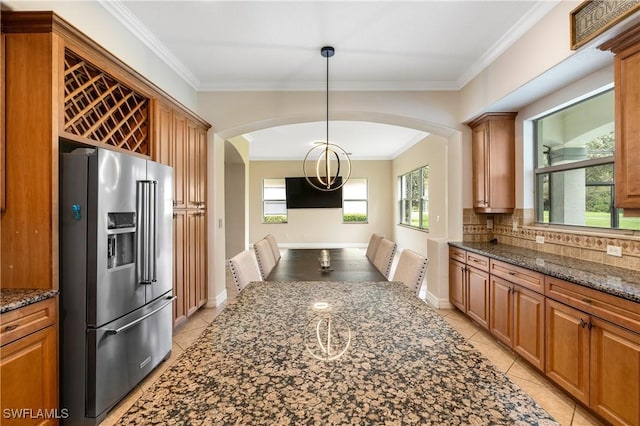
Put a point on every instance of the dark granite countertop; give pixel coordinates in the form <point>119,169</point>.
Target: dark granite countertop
<point>621,282</point>
<point>14,298</point>
<point>329,353</point>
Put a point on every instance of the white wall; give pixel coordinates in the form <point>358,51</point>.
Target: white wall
<point>432,151</point>
<point>322,227</point>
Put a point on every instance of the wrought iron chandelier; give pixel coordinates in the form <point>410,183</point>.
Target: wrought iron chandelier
<point>324,173</point>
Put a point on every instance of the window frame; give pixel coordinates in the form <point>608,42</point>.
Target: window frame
<point>540,171</point>
<point>366,201</point>
<point>264,201</point>
<point>422,199</point>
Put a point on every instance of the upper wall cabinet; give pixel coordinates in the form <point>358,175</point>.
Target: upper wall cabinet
<point>493,151</point>
<point>58,83</point>
<point>626,48</point>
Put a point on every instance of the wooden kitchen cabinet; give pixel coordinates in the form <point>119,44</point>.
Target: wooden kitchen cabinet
<point>493,162</point>
<point>568,349</point>
<point>517,315</point>
<point>593,349</point>
<point>180,276</point>
<point>469,285</point>
<point>626,48</point>
<point>456,285</point>
<point>29,362</point>
<point>615,372</point>
<point>181,142</point>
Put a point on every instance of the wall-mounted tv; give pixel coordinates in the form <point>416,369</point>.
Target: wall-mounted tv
<point>301,195</point>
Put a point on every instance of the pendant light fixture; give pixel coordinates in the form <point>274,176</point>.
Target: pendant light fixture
<point>324,173</point>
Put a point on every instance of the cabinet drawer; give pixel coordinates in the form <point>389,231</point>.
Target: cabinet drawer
<point>524,277</point>
<point>611,308</point>
<point>28,319</point>
<point>458,254</point>
<point>478,261</point>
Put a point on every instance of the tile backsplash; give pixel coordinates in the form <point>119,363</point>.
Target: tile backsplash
<point>519,229</point>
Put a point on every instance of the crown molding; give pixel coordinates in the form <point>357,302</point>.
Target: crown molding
<point>119,11</point>
<point>520,28</point>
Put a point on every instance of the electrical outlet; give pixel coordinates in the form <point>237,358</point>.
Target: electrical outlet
<point>515,226</point>
<point>489,223</point>
<point>614,251</point>
<point>539,239</point>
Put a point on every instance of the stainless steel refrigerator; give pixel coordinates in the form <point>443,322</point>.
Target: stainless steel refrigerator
<point>115,277</point>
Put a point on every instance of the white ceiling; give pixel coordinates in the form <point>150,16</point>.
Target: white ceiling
<point>380,45</point>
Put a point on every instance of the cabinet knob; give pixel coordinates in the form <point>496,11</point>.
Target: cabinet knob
<point>583,323</point>
<point>11,327</point>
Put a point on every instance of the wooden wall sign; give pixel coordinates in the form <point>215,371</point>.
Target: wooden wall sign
<point>592,17</point>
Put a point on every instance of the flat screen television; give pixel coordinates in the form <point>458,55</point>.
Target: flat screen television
<point>301,195</point>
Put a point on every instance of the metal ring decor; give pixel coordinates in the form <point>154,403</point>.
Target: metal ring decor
<point>326,153</point>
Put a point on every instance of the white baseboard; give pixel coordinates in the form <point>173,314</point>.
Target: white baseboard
<point>438,303</point>
<point>219,300</point>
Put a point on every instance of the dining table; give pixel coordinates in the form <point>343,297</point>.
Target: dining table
<point>346,264</point>
<point>329,353</point>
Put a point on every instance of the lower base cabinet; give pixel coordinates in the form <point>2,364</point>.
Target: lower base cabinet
<point>595,361</point>
<point>615,373</point>
<point>29,366</point>
<point>586,341</point>
<point>189,268</point>
<point>517,319</point>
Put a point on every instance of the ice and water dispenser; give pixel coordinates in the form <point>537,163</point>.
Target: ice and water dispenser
<point>121,239</point>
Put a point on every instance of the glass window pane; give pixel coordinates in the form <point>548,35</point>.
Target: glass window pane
<point>355,189</point>
<point>415,184</point>
<point>582,131</point>
<point>405,212</point>
<point>628,222</point>
<point>425,215</point>
<point>406,187</point>
<point>415,213</point>
<point>275,207</point>
<point>355,211</point>
<point>274,189</point>
<point>581,197</point>
<point>425,182</point>
<point>543,203</point>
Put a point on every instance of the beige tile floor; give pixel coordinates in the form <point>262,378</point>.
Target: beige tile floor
<point>559,405</point>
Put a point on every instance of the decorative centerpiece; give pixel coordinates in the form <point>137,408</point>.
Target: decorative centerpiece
<point>325,260</point>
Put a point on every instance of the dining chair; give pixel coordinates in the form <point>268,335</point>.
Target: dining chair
<point>244,269</point>
<point>384,256</point>
<point>372,248</point>
<point>410,270</point>
<point>264,254</point>
<point>274,246</point>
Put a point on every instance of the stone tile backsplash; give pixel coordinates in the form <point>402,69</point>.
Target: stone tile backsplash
<point>578,244</point>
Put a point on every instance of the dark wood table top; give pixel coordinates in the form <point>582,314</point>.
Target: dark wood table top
<point>347,264</point>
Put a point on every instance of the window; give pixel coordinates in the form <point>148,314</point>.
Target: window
<point>414,198</point>
<point>354,201</point>
<point>274,201</point>
<point>574,166</point>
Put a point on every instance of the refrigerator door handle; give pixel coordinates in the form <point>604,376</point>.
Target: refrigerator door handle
<point>142,264</point>
<point>153,213</point>
<point>125,327</point>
